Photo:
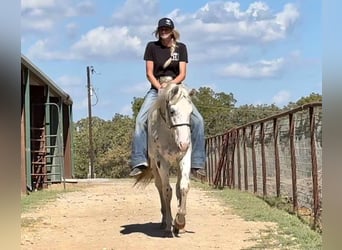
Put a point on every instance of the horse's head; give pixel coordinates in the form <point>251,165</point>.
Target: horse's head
<point>176,108</point>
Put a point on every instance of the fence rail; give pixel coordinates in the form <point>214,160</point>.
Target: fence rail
<point>279,156</point>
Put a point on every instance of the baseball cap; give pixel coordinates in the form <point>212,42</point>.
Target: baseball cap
<point>166,22</point>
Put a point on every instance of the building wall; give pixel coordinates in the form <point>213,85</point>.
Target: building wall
<point>46,125</point>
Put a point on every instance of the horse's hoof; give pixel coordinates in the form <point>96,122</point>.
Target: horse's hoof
<point>180,221</point>
<point>175,231</point>
<point>168,234</point>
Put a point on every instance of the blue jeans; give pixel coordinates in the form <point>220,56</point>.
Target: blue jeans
<point>139,147</point>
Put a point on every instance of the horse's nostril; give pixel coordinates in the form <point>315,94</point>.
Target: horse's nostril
<point>183,146</point>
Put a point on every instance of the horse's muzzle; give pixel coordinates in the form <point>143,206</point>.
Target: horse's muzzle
<point>183,146</point>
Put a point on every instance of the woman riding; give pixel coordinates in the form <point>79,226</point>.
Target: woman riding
<point>166,62</point>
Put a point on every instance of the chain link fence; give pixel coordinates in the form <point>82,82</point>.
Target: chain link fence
<point>279,156</point>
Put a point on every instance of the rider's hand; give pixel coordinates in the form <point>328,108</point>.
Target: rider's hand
<point>163,85</point>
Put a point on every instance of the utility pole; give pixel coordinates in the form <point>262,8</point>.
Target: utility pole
<point>91,147</point>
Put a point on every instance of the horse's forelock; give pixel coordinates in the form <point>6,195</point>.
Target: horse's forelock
<point>171,93</point>
<point>176,92</point>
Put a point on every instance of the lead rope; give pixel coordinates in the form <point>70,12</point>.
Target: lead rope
<point>172,50</point>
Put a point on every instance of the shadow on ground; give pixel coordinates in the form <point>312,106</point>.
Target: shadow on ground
<point>151,229</point>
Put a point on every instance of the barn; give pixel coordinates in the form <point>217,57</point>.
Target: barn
<point>46,130</point>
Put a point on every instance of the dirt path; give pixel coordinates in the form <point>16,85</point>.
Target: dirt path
<point>111,214</point>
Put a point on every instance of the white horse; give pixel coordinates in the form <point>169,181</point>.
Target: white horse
<point>169,144</point>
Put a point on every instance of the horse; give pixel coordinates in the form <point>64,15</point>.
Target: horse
<point>169,145</point>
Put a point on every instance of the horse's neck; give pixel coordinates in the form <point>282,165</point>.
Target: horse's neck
<point>159,128</point>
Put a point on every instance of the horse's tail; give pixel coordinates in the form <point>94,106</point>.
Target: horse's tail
<point>145,178</point>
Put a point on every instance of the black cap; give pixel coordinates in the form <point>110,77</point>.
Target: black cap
<point>165,22</point>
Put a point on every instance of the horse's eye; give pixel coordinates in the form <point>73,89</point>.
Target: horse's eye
<point>172,111</point>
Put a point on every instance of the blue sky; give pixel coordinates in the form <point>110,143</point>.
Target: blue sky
<point>264,52</point>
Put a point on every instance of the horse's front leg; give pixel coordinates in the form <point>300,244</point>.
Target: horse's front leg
<point>158,184</point>
<point>163,169</point>
<point>183,186</point>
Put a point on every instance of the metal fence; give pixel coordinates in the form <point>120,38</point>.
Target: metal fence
<point>279,156</point>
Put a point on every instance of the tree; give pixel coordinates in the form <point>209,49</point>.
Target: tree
<point>136,105</point>
<point>111,141</point>
<point>114,162</point>
<point>215,108</point>
<point>249,113</point>
<point>81,148</point>
<point>313,97</point>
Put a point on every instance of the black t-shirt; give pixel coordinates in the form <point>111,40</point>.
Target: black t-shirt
<point>158,53</point>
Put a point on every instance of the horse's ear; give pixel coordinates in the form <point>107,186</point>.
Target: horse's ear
<point>174,92</point>
<point>192,92</point>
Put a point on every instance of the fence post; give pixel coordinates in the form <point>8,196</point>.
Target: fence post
<point>238,158</point>
<point>210,157</point>
<point>245,158</point>
<point>276,155</point>
<point>314,165</point>
<point>222,162</point>
<point>255,184</point>
<point>293,163</point>
<point>233,158</point>
<point>263,159</point>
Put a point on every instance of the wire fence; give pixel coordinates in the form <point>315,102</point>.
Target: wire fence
<point>279,156</point>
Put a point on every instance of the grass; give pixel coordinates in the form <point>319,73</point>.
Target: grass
<point>38,198</point>
<point>291,233</point>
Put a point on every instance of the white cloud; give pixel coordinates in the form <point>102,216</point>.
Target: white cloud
<point>219,31</point>
<point>139,89</point>
<point>85,7</point>
<point>72,29</point>
<point>258,10</point>
<point>136,12</point>
<point>32,4</point>
<point>259,69</point>
<point>288,17</point>
<point>39,16</point>
<point>107,42</point>
<point>67,80</point>
<point>215,53</point>
<point>37,25</point>
<point>257,23</point>
<point>100,43</point>
<point>41,49</point>
<point>281,98</point>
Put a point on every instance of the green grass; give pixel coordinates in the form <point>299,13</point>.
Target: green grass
<point>292,233</point>
<point>39,198</point>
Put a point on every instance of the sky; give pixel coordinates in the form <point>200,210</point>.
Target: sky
<point>263,52</point>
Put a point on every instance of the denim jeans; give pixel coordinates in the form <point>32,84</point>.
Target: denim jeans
<point>139,147</point>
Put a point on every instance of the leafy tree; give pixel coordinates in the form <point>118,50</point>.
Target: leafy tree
<point>249,113</point>
<point>81,148</point>
<point>313,97</point>
<point>114,162</point>
<point>136,105</point>
<point>111,144</point>
<point>215,108</point>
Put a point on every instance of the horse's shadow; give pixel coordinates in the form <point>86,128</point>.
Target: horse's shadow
<point>151,229</point>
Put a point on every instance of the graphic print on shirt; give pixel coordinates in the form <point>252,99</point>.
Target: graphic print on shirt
<point>175,56</point>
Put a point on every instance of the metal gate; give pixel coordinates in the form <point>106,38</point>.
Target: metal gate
<point>47,149</point>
